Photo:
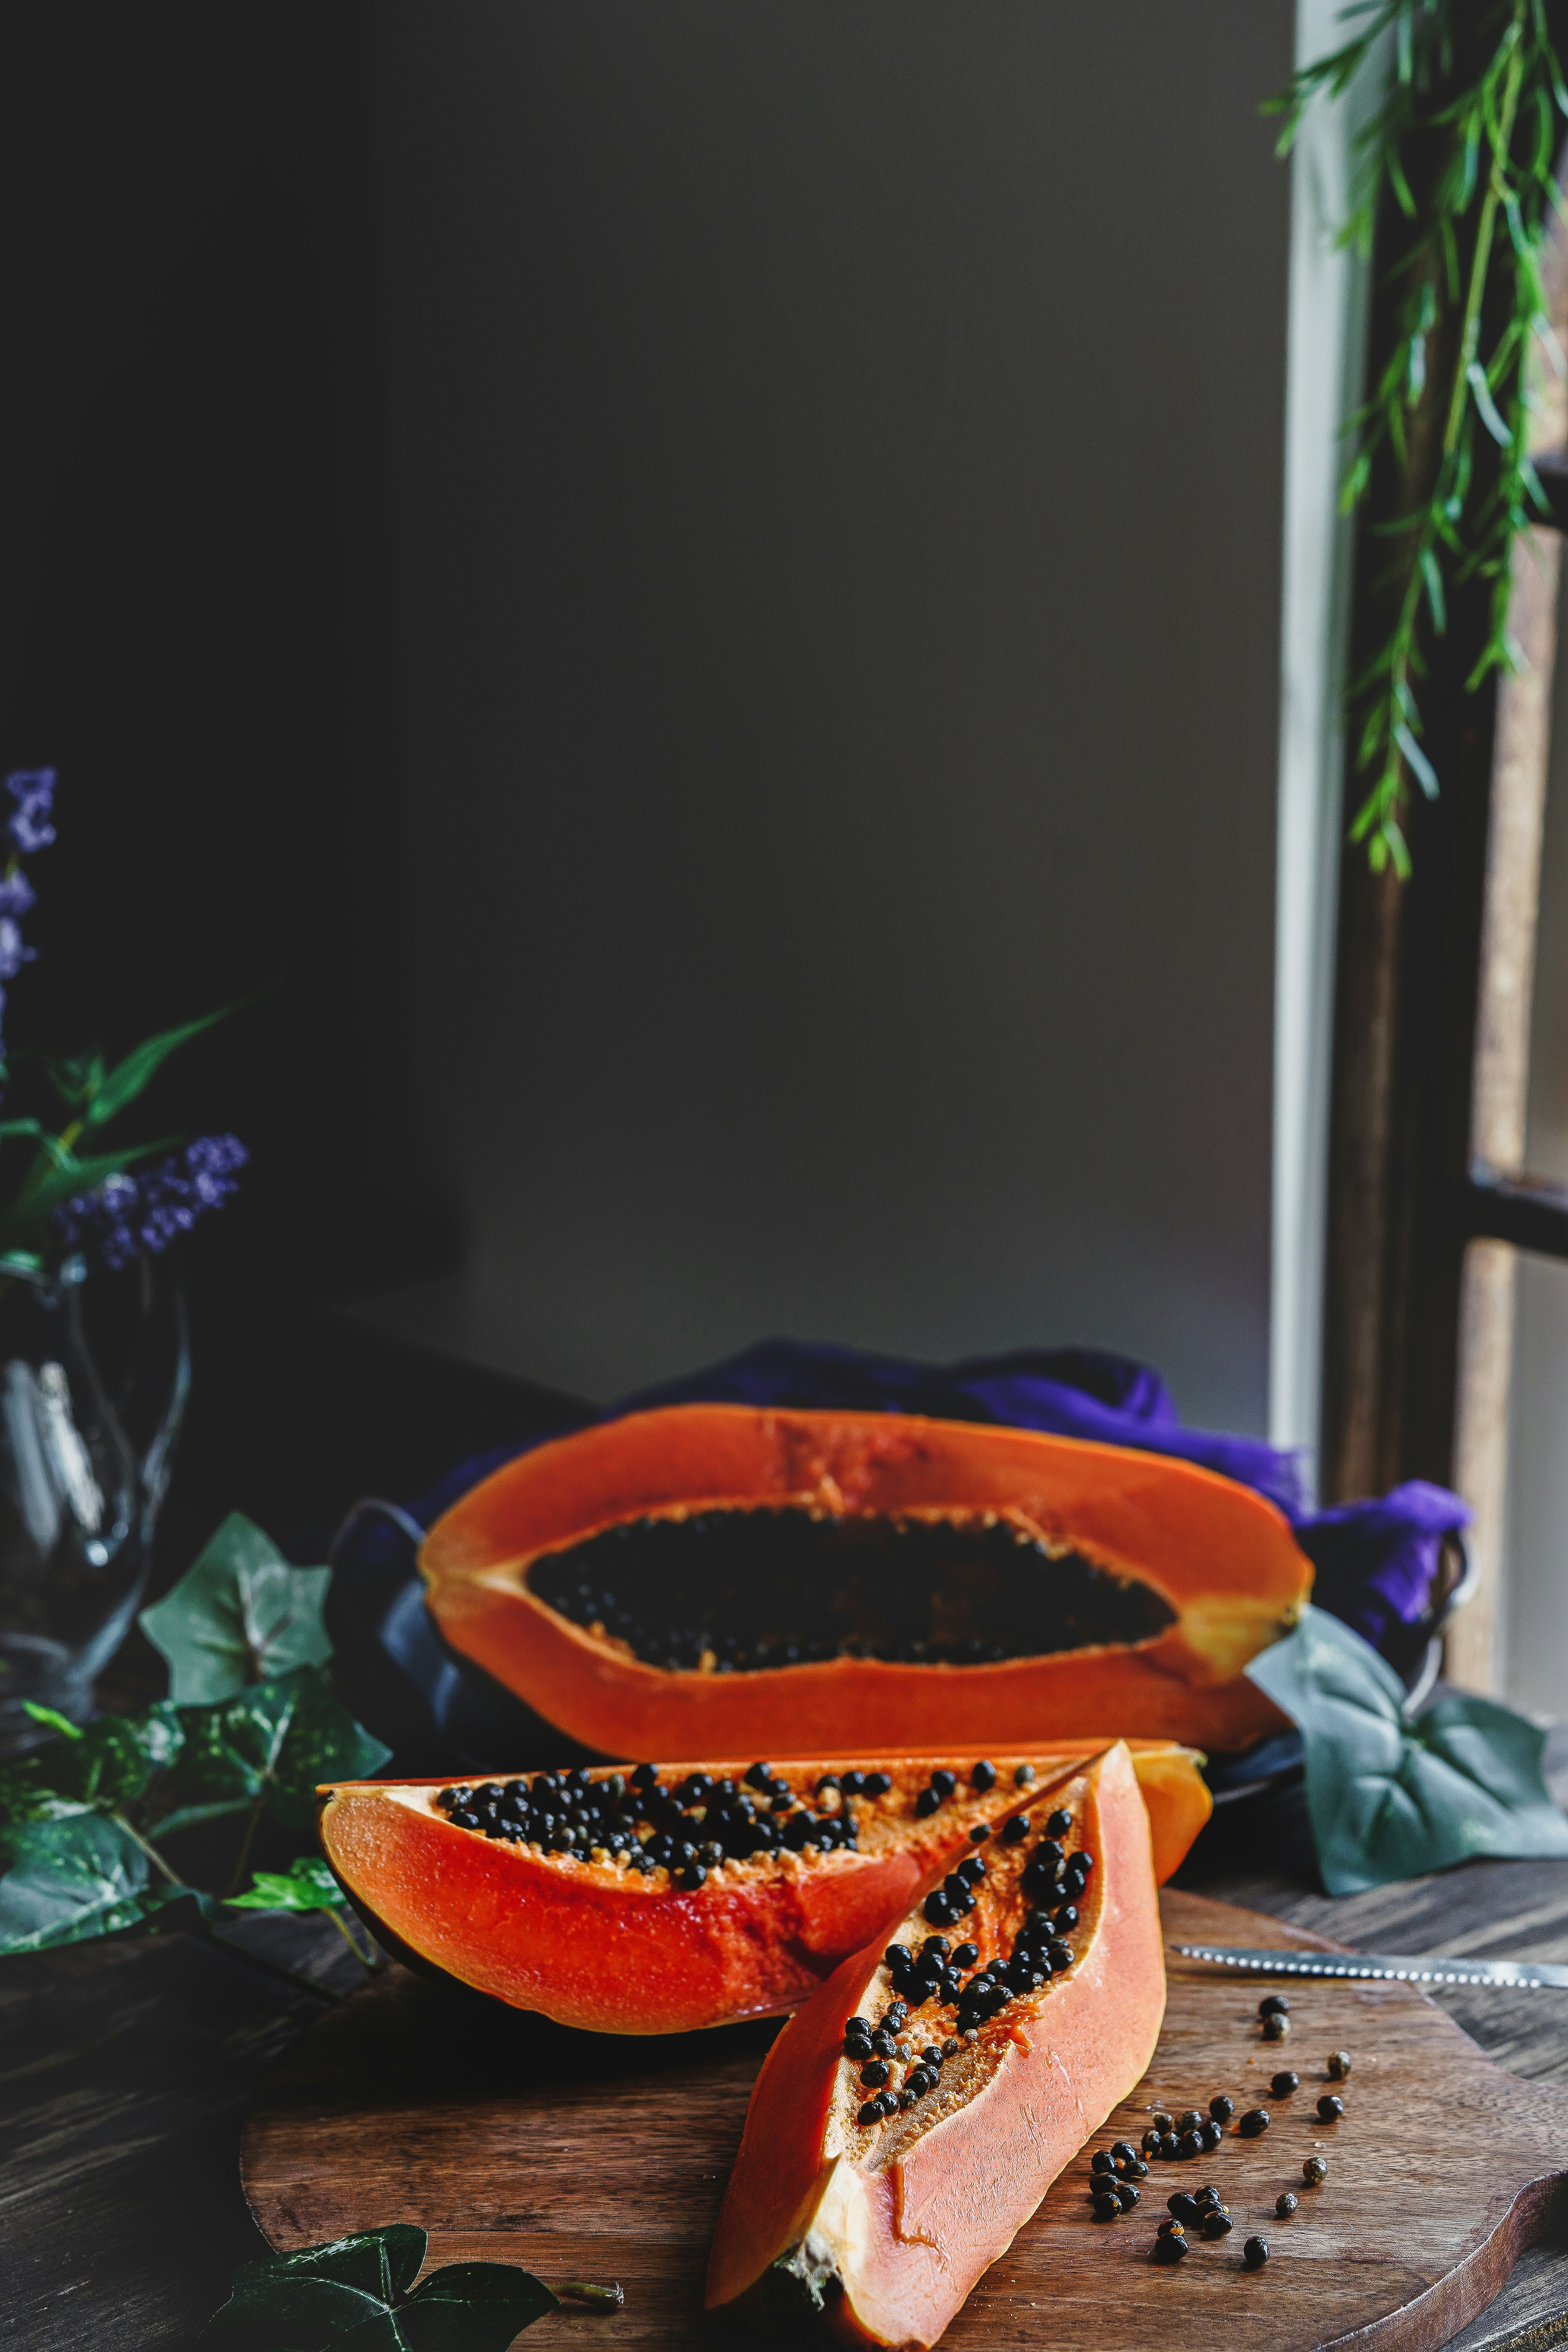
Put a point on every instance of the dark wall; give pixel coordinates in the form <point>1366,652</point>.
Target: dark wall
<point>195,592</point>
<point>837,478</point>
<point>692,593</point>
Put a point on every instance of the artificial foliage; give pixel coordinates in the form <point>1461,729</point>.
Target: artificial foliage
<point>1464,146</point>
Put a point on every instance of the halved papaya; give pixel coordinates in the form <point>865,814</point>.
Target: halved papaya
<point>655,1904</point>
<point>911,2117</point>
<point>703,1577</point>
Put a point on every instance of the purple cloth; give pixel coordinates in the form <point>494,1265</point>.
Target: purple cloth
<point>1374,1561</point>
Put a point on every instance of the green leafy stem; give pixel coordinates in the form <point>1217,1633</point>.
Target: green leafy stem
<point>251,1727</point>
<point>1493,189</point>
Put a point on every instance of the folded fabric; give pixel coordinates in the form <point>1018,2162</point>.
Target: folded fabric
<point>1374,1561</point>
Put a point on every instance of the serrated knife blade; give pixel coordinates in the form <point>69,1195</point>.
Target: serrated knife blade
<point>1402,1968</point>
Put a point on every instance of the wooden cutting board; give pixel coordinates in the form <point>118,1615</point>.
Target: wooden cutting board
<point>591,2156</point>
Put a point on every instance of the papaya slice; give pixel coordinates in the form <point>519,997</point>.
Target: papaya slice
<point>655,1903</point>
<point>913,2115</point>
<point>701,1578</point>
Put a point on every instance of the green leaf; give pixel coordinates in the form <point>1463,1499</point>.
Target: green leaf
<point>240,1616</point>
<point>42,1195</point>
<point>100,1767</point>
<point>353,2293</point>
<point>313,2296</point>
<point>1431,573</point>
<point>306,1885</point>
<point>53,1717</point>
<point>111,1762</point>
<point>67,1881</point>
<point>126,1080</point>
<point>1421,767</point>
<point>1476,376</point>
<point>1391,1800</point>
<point>272,1743</point>
<point>464,2307</point>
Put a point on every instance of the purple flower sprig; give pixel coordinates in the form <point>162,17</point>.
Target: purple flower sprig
<point>126,1214</point>
<point>27,829</point>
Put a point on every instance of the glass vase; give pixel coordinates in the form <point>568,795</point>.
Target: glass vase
<point>80,1490</point>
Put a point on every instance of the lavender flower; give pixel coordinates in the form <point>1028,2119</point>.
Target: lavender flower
<point>33,790</point>
<point>17,896</point>
<point>14,952</point>
<point>130,1214</point>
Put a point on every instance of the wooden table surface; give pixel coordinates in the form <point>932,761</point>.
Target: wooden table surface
<point>128,2066</point>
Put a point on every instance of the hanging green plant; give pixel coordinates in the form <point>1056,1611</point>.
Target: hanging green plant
<point>1486,132</point>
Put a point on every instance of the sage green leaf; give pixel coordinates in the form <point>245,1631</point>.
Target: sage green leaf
<point>240,1616</point>
<point>1392,1799</point>
<point>109,1095</point>
<point>67,1881</point>
<point>306,1885</point>
<point>273,1742</point>
<point>315,2296</point>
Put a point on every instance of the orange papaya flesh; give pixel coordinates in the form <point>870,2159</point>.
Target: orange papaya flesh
<point>881,2224</point>
<point>947,1581</point>
<point>616,1942</point>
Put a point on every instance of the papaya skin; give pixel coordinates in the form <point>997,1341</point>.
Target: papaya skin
<point>1222,1559</point>
<point>884,2231</point>
<point>599,1949</point>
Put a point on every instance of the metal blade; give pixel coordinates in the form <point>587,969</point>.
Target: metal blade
<point>1428,1967</point>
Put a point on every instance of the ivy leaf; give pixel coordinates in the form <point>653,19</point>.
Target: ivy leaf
<point>272,1744</point>
<point>1392,1799</point>
<point>99,1767</point>
<point>240,1616</point>
<point>306,1885</point>
<point>109,1095</point>
<point>354,2293</point>
<point>67,1881</point>
<point>110,1761</point>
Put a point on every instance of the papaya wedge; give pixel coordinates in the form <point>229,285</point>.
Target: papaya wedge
<point>911,2117</point>
<point>701,1578</point>
<point>659,1902</point>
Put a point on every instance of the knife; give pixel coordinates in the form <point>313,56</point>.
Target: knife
<point>1428,1967</point>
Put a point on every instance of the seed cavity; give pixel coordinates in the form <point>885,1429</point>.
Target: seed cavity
<point>749,1589</point>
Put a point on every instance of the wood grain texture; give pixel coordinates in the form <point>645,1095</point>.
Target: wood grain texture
<point>581,2156</point>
